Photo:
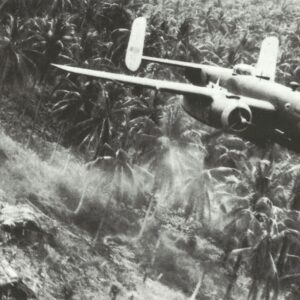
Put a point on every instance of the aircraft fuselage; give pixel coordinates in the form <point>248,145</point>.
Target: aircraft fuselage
<point>281,126</point>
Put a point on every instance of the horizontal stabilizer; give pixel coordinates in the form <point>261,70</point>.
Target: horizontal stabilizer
<point>214,72</point>
<point>176,63</point>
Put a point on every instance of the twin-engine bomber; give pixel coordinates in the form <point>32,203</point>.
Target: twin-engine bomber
<point>244,100</point>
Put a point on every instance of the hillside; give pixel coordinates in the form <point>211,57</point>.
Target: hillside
<point>45,244</point>
<point>111,192</point>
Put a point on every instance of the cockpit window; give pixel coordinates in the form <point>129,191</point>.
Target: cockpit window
<point>243,69</point>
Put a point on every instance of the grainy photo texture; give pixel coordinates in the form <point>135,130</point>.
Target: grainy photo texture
<point>150,150</point>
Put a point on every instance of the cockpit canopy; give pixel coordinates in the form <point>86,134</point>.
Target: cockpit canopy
<point>243,69</point>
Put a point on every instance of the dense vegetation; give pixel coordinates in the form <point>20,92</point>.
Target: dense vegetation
<point>190,201</point>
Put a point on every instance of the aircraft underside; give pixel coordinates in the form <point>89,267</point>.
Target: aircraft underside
<point>263,136</point>
<point>265,127</point>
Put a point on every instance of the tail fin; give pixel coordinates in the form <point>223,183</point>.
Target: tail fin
<point>266,65</point>
<point>135,46</point>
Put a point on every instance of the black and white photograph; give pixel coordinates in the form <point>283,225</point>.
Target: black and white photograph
<point>150,150</point>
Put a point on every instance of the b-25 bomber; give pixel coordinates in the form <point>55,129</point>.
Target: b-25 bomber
<point>244,100</point>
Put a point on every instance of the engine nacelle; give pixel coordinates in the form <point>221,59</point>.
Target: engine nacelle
<point>233,114</point>
<point>225,111</point>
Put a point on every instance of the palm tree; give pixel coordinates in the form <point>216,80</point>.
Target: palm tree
<point>52,40</point>
<point>75,97</point>
<point>31,8</point>
<point>19,8</point>
<point>16,63</point>
<point>63,6</point>
<point>208,20</point>
<point>127,180</point>
<point>84,112</point>
<point>92,46</point>
<point>114,16</point>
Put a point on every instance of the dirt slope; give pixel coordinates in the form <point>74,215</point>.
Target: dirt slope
<point>57,259</point>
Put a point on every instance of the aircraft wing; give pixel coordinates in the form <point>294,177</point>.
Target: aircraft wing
<point>258,104</point>
<point>207,94</point>
<point>161,85</point>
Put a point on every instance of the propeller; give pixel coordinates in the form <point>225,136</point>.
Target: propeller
<point>241,118</point>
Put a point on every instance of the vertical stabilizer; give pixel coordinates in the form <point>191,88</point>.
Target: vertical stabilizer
<point>267,60</point>
<point>136,44</point>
